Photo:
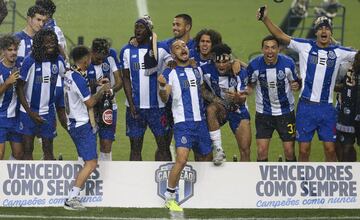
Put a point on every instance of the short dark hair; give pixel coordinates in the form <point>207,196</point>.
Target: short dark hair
<point>79,52</point>
<point>267,38</point>
<point>7,41</point>
<point>221,49</point>
<point>215,37</point>
<point>36,9</point>
<point>101,45</point>
<point>48,5</point>
<point>187,18</point>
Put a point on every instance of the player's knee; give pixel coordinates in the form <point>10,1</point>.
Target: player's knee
<point>18,155</point>
<point>181,161</point>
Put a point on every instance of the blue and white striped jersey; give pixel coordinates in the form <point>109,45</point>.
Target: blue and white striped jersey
<point>199,61</point>
<point>76,92</point>
<point>8,100</point>
<point>219,85</point>
<point>273,89</point>
<point>319,68</point>
<point>187,102</point>
<point>24,47</point>
<point>105,70</point>
<point>143,81</point>
<point>40,82</point>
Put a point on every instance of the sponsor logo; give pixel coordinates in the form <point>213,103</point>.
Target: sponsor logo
<point>185,188</point>
<point>107,116</point>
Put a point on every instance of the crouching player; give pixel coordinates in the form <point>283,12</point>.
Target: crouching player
<point>77,102</point>
<point>190,129</point>
<point>227,102</point>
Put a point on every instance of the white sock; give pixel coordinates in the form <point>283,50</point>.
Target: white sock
<point>216,139</point>
<point>105,156</point>
<point>74,192</point>
<point>170,195</point>
<point>11,157</point>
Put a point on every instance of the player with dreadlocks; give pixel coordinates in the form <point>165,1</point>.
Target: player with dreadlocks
<point>35,89</point>
<point>348,122</point>
<point>144,107</point>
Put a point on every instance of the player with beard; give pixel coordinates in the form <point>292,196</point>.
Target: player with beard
<point>319,64</point>
<point>35,89</point>
<point>226,102</point>
<point>273,76</point>
<point>144,107</point>
<point>184,84</point>
<point>8,111</point>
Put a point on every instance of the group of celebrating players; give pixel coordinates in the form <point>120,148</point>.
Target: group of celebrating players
<point>181,87</point>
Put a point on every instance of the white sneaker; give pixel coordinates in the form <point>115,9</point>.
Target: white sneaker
<point>219,157</point>
<point>74,204</point>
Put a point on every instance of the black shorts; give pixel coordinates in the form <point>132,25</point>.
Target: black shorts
<point>283,124</point>
<point>345,138</point>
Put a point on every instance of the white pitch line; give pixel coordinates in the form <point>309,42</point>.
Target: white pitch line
<point>118,218</point>
<point>142,7</point>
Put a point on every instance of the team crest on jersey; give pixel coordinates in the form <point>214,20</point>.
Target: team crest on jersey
<point>232,82</point>
<point>54,69</point>
<point>105,67</point>
<point>281,75</point>
<point>331,55</point>
<point>185,188</point>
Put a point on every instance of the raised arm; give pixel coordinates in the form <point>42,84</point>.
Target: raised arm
<point>164,89</point>
<point>273,29</point>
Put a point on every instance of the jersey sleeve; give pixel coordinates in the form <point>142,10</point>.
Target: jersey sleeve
<point>242,79</point>
<point>81,87</point>
<point>124,58</point>
<point>291,71</point>
<point>166,75</point>
<point>25,69</point>
<point>114,62</point>
<point>252,74</point>
<point>298,44</point>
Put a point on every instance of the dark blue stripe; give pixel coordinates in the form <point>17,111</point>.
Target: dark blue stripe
<point>186,95</point>
<point>310,73</point>
<point>36,90</point>
<point>325,92</point>
<point>265,92</point>
<point>154,103</point>
<point>134,71</point>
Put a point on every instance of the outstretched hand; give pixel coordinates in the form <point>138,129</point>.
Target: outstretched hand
<point>262,13</point>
